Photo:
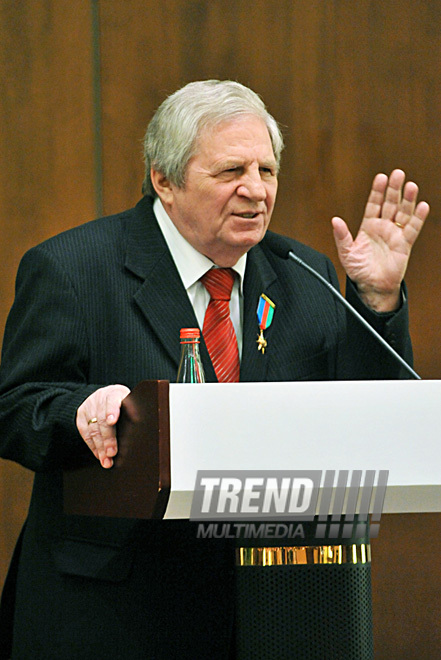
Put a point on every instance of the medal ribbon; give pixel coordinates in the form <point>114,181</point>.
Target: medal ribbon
<point>265,313</point>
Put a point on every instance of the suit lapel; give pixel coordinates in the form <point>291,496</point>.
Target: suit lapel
<point>162,297</point>
<point>259,278</point>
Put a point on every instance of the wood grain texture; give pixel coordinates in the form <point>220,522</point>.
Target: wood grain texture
<point>406,587</point>
<point>47,176</point>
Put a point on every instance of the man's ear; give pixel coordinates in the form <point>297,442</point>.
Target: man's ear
<point>162,186</point>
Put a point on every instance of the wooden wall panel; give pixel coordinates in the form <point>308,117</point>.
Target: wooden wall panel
<point>356,85</point>
<point>406,587</point>
<point>47,177</point>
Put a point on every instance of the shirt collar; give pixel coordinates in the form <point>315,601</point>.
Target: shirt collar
<point>191,264</point>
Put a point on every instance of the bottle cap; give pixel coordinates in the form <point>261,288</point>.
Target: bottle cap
<point>190,333</point>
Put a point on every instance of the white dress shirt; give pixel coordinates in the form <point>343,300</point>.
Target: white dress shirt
<point>192,265</point>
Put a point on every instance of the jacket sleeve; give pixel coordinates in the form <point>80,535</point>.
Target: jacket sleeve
<point>362,356</point>
<point>43,373</point>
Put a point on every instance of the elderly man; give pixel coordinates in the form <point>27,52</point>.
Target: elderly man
<point>99,308</point>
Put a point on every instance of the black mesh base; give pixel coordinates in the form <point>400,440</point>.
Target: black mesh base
<point>309,612</point>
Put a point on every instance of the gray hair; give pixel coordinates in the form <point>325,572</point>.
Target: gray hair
<point>171,137</point>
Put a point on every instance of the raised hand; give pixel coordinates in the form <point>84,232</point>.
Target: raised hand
<point>377,259</point>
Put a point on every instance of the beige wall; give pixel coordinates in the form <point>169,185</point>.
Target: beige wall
<point>356,86</point>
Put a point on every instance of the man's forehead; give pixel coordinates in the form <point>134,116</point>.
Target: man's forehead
<point>229,138</point>
<point>230,162</point>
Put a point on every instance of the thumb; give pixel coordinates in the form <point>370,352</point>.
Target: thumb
<point>115,395</point>
<point>342,236</point>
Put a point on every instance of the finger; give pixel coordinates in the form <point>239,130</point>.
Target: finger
<point>393,195</point>
<point>343,240</point>
<point>342,235</point>
<point>113,403</point>
<point>92,437</point>
<point>376,197</point>
<point>85,422</point>
<point>415,224</point>
<point>408,203</point>
<point>104,436</point>
<point>410,193</point>
<point>114,396</point>
<point>421,212</point>
<point>93,428</point>
<point>100,438</point>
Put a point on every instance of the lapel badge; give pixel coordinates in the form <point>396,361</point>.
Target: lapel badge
<point>265,313</point>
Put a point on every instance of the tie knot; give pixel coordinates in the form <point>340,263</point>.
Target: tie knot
<point>219,283</point>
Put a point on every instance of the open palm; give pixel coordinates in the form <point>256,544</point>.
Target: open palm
<point>377,259</point>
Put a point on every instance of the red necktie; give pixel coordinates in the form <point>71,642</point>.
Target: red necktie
<point>218,330</point>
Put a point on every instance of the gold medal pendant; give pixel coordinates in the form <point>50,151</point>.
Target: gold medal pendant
<point>265,313</point>
<point>261,343</point>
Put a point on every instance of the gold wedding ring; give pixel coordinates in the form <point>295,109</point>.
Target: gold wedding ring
<point>92,421</point>
<point>399,225</point>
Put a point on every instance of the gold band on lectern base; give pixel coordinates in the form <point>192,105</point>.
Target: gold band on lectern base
<point>313,554</point>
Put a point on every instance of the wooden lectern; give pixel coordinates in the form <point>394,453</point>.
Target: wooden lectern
<point>166,434</point>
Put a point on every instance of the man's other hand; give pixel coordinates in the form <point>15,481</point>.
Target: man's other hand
<point>96,421</point>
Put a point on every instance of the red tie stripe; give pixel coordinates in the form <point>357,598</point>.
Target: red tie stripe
<point>218,330</point>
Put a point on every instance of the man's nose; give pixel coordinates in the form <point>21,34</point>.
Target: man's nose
<point>252,186</point>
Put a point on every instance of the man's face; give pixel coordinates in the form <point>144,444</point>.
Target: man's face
<point>230,188</point>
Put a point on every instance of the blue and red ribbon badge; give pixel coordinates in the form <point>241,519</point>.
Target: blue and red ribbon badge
<point>265,313</point>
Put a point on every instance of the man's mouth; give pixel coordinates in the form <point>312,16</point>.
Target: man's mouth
<point>248,216</point>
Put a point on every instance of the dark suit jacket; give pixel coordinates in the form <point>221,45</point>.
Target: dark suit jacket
<point>101,304</point>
